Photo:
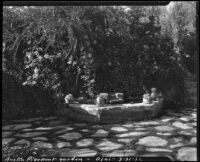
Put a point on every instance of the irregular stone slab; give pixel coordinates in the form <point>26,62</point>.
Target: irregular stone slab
<point>5,134</point>
<point>97,126</point>
<point>120,153</point>
<point>44,128</point>
<point>78,153</point>
<point>40,144</point>
<point>30,134</point>
<point>27,130</point>
<point>184,119</point>
<point>125,140</point>
<point>63,144</point>
<point>55,122</point>
<point>166,120</point>
<point>85,142</point>
<point>193,140</point>
<point>128,125</point>
<point>176,145</point>
<point>187,154</point>
<point>51,118</point>
<point>23,142</point>
<point>40,139</point>
<point>194,124</point>
<point>158,150</point>
<point>177,139</point>
<point>108,146</point>
<point>181,125</point>
<point>131,134</point>
<point>164,128</point>
<point>119,129</point>
<point>8,127</point>
<point>6,141</point>
<point>186,133</point>
<point>194,115</point>
<point>64,130</point>
<point>163,134</point>
<point>22,126</point>
<point>140,129</point>
<point>140,149</point>
<point>152,141</point>
<point>149,123</point>
<point>100,133</point>
<point>71,136</point>
<point>84,130</point>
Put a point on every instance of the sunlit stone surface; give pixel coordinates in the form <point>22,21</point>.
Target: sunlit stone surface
<point>71,136</point>
<point>152,141</point>
<point>187,154</point>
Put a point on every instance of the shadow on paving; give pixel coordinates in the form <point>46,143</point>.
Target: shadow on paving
<point>173,134</point>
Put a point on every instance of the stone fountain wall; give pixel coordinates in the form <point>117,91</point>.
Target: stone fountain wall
<point>111,113</point>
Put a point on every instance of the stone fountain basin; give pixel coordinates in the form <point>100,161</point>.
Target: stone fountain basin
<point>112,113</point>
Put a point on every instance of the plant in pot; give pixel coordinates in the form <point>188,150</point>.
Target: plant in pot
<point>154,94</point>
<point>118,98</point>
<point>69,98</point>
<point>147,98</point>
<point>100,100</point>
<point>105,96</point>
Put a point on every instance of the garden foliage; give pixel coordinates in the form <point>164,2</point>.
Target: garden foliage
<point>88,50</point>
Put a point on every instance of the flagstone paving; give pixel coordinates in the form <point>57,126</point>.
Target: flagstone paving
<point>174,134</point>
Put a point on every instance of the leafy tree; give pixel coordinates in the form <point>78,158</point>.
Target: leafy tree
<point>85,50</point>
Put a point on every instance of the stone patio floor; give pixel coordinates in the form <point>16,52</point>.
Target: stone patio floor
<point>174,135</point>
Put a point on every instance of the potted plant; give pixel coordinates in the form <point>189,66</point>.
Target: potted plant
<point>105,96</point>
<point>147,98</point>
<point>100,101</point>
<point>154,94</point>
<point>119,95</point>
<point>69,98</point>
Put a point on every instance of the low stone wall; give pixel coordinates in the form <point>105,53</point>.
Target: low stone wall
<point>112,113</point>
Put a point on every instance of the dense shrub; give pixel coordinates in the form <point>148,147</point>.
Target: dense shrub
<point>88,50</point>
<point>24,101</point>
<point>189,51</point>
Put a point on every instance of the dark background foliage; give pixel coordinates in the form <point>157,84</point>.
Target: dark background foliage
<point>87,50</point>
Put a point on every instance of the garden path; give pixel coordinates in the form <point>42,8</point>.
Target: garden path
<point>174,135</point>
